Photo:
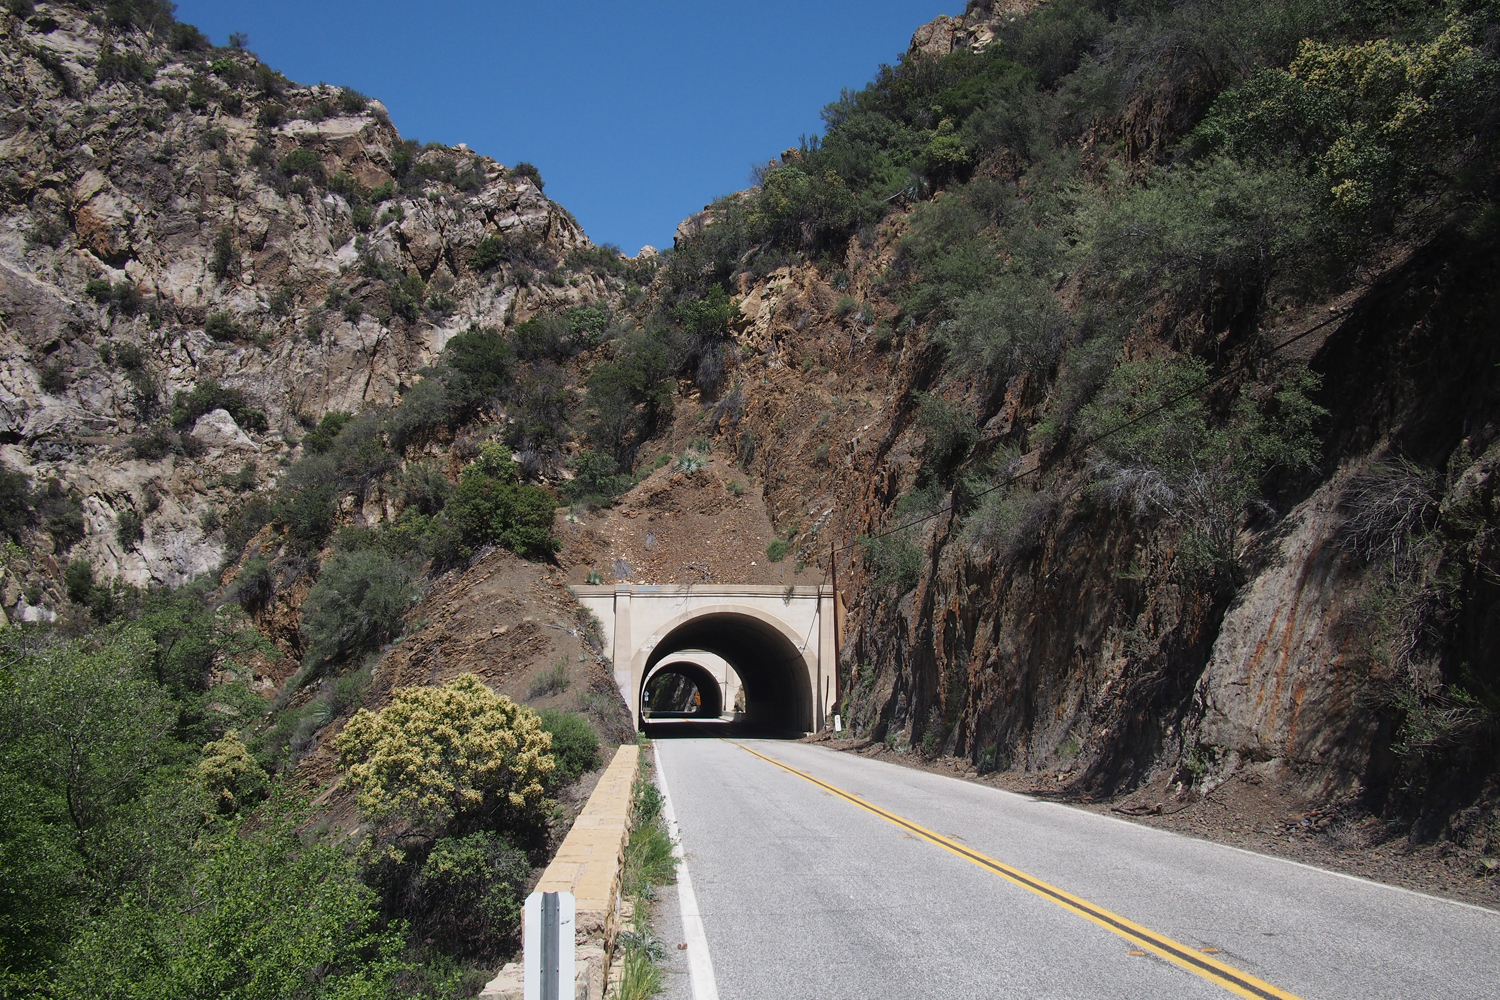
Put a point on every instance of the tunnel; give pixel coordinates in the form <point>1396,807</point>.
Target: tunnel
<point>776,684</point>
<point>670,690</point>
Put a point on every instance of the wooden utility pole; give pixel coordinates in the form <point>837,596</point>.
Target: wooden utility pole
<point>838,673</point>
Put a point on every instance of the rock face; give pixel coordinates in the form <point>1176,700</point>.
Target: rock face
<point>209,220</point>
<point>971,31</point>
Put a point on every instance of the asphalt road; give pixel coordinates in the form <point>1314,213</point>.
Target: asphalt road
<point>804,892</point>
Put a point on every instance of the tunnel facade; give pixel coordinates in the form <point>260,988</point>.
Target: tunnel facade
<point>779,642</point>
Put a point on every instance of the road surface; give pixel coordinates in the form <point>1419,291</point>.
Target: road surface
<point>861,879</point>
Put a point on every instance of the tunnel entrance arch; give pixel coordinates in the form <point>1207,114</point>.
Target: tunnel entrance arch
<point>778,640</point>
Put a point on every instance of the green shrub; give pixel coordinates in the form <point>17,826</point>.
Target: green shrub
<point>270,115</point>
<point>301,904</point>
<point>423,489</point>
<point>61,512</point>
<point>303,163</point>
<point>597,479</point>
<point>1171,457</point>
<point>225,260</point>
<point>405,297</point>
<point>321,437</point>
<point>358,604</point>
<point>493,251</point>
<point>15,501</point>
<point>352,102</point>
<point>529,172</point>
<point>553,680</point>
<point>221,327</point>
<point>575,746</point>
<point>209,395</point>
<point>892,559</point>
<point>229,776</point>
<point>491,506</point>
<point>777,549</point>
<point>78,579</point>
<point>253,586</point>
<point>472,889</point>
<point>125,67</point>
<point>130,529</point>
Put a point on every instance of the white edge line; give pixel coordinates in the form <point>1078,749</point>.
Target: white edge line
<point>700,965</point>
<point>1071,807</point>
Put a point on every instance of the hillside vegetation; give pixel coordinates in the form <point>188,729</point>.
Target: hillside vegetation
<point>1135,362</point>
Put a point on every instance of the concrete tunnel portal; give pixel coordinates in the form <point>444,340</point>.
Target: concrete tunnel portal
<point>777,644</point>
<point>770,668</point>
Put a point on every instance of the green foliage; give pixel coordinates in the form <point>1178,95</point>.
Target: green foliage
<point>529,172</point>
<point>15,501</point>
<point>949,430</point>
<point>123,67</point>
<point>1173,458</point>
<point>553,680</point>
<point>129,529</point>
<point>352,102</point>
<point>320,439</point>
<point>221,327</point>
<point>630,397</point>
<point>471,890</point>
<point>406,296</point>
<point>224,264</point>
<point>491,507</point>
<point>423,489</point>
<point>303,163</point>
<point>1382,121</point>
<point>359,603</point>
<point>1213,237</point>
<point>78,579</point>
<point>648,851</point>
<point>475,369</point>
<point>597,479</point>
<point>208,395</point>
<point>61,512</point>
<point>777,549</point>
<point>892,560</point>
<point>575,746</point>
<point>261,917</point>
<point>253,586</point>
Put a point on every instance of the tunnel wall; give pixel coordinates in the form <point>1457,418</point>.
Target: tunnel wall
<point>637,618</point>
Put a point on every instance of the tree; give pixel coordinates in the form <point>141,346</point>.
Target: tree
<point>455,755</point>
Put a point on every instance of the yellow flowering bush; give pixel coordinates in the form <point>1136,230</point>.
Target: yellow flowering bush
<point>229,775</point>
<point>437,753</point>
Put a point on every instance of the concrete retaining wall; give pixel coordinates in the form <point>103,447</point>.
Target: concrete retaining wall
<point>588,864</point>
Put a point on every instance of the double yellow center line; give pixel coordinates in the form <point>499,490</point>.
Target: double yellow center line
<point>1194,961</point>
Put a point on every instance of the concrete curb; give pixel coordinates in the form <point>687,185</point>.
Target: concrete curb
<point>588,864</point>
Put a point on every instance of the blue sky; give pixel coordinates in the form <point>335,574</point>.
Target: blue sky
<point>637,114</point>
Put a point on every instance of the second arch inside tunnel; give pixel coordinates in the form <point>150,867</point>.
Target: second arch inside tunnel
<point>693,683</point>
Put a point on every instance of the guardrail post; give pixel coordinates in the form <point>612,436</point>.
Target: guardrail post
<point>547,934</point>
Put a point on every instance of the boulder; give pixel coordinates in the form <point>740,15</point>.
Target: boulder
<point>217,430</point>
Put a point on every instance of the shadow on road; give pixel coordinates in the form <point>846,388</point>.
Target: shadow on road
<point>687,727</point>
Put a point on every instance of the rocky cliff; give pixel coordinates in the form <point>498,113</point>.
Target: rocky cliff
<point>176,215</point>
